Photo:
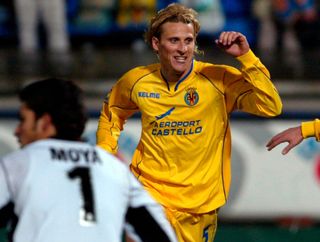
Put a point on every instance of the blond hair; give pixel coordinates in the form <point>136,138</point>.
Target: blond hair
<point>174,12</point>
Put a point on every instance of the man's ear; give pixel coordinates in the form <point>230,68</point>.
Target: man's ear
<point>45,125</point>
<point>155,44</point>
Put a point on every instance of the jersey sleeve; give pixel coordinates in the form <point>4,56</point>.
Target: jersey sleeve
<point>4,186</point>
<point>6,205</point>
<point>146,217</point>
<point>116,109</point>
<point>250,89</point>
<point>311,129</point>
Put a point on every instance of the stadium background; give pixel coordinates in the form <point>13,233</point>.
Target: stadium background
<point>273,197</point>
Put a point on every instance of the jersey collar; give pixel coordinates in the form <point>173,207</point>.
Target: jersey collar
<point>181,80</point>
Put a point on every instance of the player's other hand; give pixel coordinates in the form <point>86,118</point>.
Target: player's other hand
<point>293,136</point>
<point>233,43</point>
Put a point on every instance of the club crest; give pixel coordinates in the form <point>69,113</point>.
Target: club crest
<point>191,97</point>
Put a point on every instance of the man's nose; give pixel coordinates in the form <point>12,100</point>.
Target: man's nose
<point>182,47</point>
<point>17,131</point>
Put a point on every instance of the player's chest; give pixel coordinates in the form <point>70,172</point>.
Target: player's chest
<point>193,98</point>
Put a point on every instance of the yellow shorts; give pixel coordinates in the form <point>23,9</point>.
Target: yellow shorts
<point>191,227</point>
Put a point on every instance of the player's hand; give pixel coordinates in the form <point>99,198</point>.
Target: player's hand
<point>292,135</point>
<point>233,43</point>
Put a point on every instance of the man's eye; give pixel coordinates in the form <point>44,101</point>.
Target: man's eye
<point>189,41</point>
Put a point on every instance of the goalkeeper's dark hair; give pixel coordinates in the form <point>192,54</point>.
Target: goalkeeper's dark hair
<point>62,100</point>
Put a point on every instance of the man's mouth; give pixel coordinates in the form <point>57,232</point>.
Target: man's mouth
<point>180,59</point>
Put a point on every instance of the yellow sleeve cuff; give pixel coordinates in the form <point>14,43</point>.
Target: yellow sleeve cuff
<point>248,59</point>
<point>311,129</point>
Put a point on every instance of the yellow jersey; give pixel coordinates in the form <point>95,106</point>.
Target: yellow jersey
<point>183,156</point>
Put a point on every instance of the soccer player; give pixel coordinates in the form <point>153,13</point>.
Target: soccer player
<point>62,189</point>
<point>295,135</point>
<point>183,156</point>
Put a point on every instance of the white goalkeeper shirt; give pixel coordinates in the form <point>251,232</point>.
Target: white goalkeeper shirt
<point>66,191</point>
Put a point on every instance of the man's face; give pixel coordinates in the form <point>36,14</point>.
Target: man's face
<point>175,49</point>
<point>28,129</point>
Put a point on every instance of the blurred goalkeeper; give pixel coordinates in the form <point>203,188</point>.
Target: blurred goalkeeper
<point>64,190</point>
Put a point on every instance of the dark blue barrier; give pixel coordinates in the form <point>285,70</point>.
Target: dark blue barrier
<point>302,115</point>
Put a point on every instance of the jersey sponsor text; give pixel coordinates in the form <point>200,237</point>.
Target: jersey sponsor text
<point>176,128</point>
